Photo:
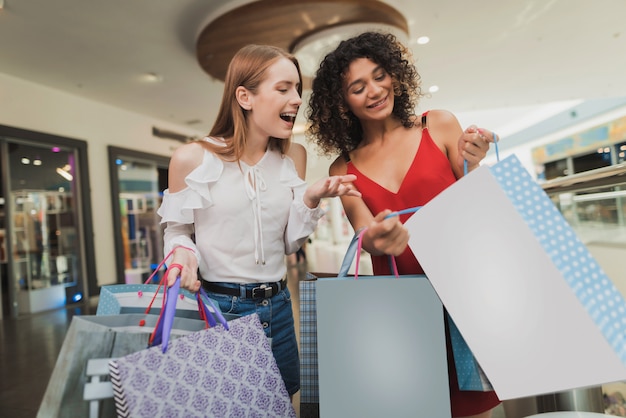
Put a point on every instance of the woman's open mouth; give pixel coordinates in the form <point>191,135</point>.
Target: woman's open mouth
<point>288,117</point>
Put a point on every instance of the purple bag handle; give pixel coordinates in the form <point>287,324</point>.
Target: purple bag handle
<point>163,329</point>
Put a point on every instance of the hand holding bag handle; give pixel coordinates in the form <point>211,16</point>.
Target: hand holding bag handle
<point>161,333</point>
<point>356,245</point>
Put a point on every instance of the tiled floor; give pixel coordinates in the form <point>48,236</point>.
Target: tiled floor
<point>28,353</point>
<point>30,345</point>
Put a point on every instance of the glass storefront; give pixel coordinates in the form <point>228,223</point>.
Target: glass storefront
<point>137,183</point>
<point>42,249</point>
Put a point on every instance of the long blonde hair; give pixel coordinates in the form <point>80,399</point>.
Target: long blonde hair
<point>247,69</point>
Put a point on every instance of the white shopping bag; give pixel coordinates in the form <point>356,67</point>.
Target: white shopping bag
<point>534,306</point>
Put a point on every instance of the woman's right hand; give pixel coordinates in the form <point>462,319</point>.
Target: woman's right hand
<point>386,236</point>
<point>184,264</point>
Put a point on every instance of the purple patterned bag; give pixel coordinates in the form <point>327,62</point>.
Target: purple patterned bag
<point>216,372</point>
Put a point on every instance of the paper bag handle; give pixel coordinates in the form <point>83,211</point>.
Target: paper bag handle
<point>149,279</point>
<point>495,142</point>
<point>354,253</point>
<point>163,328</point>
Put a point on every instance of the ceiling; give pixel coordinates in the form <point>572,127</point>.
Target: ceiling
<point>485,55</point>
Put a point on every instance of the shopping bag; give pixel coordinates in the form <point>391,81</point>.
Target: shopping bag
<point>308,343</point>
<point>536,309</point>
<point>147,297</point>
<point>470,376</point>
<point>381,346</point>
<point>90,337</point>
<point>143,298</point>
<point>309,386</point>
<point>224,371</point>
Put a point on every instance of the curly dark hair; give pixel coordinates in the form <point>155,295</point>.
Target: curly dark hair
<point>333,127</point>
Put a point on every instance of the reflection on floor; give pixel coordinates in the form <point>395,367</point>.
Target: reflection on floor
<point>30,346</point>
<point>28,354</point>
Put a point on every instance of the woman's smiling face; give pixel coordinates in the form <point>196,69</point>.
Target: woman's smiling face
<point>368,90</point>
<point>276,103</point>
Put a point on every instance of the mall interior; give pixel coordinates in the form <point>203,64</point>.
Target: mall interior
<point>92,107</point>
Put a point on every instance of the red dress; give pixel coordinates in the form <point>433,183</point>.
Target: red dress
<point>429,174</point>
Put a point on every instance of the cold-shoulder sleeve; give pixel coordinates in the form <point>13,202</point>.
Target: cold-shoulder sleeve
<point>179,206</point>
<point>177,209</point>
<point>302,219</point>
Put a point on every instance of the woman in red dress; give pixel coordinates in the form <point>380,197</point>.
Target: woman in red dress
<point>362,109</point>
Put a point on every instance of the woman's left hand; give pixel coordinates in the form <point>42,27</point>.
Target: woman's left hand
<point>473,145</point>
<point>330,187</point>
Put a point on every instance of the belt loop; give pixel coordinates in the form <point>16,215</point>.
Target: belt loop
<point>242,292</point>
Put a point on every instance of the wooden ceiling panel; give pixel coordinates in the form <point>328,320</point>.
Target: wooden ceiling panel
<point>283,24</point>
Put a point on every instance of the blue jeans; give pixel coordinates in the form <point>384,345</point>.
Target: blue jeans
<point>276,316</point>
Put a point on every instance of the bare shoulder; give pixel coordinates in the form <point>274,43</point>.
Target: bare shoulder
<point>442,119</point>
<point>444,128</point>
<point>297,152</point>
<point>187,157</point>
<point>338,167</point>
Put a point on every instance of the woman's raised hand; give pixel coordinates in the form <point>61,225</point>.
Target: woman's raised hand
<point>332,186</point>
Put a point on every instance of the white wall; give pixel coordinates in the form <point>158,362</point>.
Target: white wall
<point>29,106</point>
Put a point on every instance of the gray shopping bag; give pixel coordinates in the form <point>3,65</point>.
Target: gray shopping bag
<point>381,346</point>
<point>90,337</point>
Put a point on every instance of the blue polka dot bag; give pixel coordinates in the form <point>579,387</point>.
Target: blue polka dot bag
<point>536,309</point>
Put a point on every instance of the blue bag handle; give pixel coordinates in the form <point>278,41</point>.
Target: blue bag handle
<point>349,256</point>
<point>353,253</point>
<point>495,142</point>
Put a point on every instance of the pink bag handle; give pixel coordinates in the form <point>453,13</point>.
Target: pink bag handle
<point>156,270</point>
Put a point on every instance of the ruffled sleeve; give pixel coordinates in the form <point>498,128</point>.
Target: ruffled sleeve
<point>302,219</point>
<point>177,209</point>
<point>179,206</point>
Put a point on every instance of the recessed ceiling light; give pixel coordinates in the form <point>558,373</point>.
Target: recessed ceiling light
<point>422,40</point>
<point>151,78</point>
<point>433,89</point>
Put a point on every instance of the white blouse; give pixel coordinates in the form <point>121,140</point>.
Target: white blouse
<point>245,218</point>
